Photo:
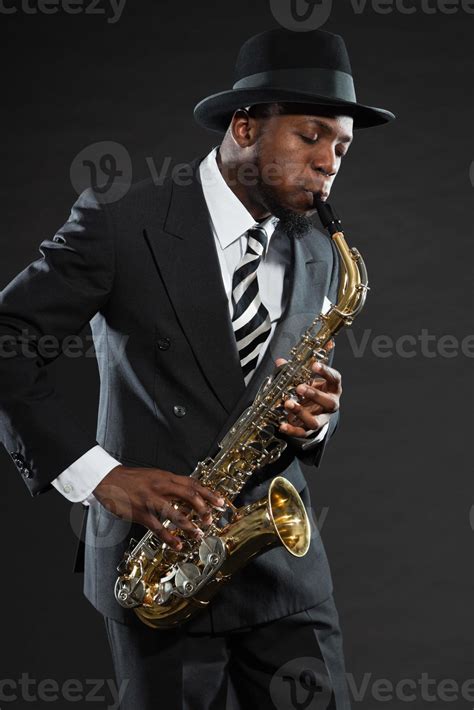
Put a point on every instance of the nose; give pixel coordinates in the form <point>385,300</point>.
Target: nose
<point>325,162</point>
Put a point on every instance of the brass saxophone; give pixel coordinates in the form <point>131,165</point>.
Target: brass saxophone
<point>166,587</point>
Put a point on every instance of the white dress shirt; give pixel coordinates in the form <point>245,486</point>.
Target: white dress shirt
<point>229,221</point>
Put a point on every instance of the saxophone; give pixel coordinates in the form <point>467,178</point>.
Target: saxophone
<point>166,587</point>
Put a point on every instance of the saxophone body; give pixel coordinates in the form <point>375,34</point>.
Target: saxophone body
<point>166,587</point>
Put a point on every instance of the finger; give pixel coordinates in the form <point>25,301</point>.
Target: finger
<point>175,490</point>
<point>318,383</point>
<point>199,497</point>
<point>168,511</point>
<point>291,405</point>
<point>280,361</point>
<point>332,376</point>
<point>308,418</point>
<point>187,495</point>
<point>295,421</point>
<point>203,517</point>
<point>211,497</point>
<point>153,524</point>
<point>294,430</point>
<point>329,345</point>
<point>326,400</point>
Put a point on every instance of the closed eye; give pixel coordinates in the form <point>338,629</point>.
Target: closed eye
<point>309,141</point>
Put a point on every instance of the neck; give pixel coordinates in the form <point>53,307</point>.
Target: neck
<point>230,172</point>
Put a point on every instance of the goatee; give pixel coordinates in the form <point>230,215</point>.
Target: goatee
<point>294,224</point>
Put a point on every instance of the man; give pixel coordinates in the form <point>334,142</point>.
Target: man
<point>209,281</point>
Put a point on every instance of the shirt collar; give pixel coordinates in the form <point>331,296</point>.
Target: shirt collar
<point>229,217</point>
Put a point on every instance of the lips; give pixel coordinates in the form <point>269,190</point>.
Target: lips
<point>317,194</point>
<point>313,197</point>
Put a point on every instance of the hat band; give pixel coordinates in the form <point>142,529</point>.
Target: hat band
<point>330,83</point>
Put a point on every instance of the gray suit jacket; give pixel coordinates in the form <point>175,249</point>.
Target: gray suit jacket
<point>144,272</point>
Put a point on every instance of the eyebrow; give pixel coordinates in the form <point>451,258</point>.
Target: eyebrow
<point>328,129</point>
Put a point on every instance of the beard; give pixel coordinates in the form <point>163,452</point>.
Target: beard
<point>294,224</point>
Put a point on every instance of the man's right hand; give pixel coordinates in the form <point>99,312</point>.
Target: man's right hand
<point>146,495</point>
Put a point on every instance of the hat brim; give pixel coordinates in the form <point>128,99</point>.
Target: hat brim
<point>215,112</point>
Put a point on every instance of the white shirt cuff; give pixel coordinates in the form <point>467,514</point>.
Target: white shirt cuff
<point>78,481</point>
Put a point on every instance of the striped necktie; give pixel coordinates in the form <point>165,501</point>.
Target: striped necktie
<point>250,320</point>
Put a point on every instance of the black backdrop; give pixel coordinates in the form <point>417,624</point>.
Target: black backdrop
<point>394,494</point>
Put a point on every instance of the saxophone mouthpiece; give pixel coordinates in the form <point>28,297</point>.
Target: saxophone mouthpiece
<point>329,220</point>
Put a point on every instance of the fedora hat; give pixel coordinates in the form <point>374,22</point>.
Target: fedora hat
<point>285,66</point>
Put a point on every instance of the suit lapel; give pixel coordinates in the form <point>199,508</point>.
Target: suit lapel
<point>185,255</point>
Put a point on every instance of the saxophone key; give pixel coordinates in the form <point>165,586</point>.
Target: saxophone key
<point>212,551</point>
<point>186,579</point>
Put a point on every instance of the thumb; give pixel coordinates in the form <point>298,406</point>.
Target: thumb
<point>280,361</point>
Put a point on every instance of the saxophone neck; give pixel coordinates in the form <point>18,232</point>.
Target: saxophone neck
<point>353,282</point>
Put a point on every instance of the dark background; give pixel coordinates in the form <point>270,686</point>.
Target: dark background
<point>395,486</point>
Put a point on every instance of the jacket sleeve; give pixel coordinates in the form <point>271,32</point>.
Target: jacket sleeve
<point>53,298</point>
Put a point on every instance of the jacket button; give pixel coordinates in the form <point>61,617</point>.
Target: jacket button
<point>179,410</point>
<point>164,343</point>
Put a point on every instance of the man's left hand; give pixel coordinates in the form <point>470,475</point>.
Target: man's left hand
<point>317,400</point>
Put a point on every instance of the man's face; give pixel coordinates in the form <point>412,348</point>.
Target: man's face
<point>298,158</point>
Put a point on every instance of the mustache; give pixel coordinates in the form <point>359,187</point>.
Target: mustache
<point>319,194</point>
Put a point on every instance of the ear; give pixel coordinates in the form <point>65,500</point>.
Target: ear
<point>243,128</point>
